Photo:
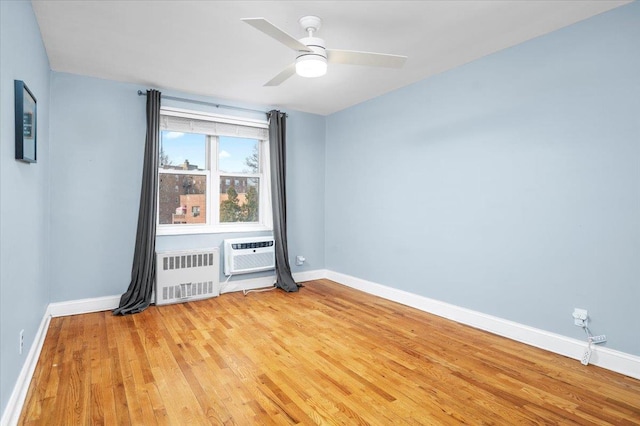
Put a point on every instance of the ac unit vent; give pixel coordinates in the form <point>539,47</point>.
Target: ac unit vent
<point>187,275</point>
<point>252,244</point>
<point>245,255</point>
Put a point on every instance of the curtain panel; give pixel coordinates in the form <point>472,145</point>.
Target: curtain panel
<point>138,296</point>
<point>277,151</point>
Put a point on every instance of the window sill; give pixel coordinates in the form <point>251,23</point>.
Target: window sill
<point>219,229</point>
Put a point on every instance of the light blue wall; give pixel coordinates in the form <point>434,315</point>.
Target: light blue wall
<point>97,145</point>
<point>510,185</point>
<point>24,194</point>
<point>305,189</point>
<point>98,132</point>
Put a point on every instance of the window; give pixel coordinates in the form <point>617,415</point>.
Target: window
<point>213,174</point>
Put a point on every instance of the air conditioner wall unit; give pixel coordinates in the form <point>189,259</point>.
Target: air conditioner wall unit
<point>187,275</point>
<point>246,255</point>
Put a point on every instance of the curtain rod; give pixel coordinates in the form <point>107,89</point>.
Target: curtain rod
<point>194,101</point>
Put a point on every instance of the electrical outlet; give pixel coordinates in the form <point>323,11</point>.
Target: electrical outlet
<point>586,356</point>
<point>580,317</point>
<point>598,339</point>
<point>21,346</point>
<point>300,260</point>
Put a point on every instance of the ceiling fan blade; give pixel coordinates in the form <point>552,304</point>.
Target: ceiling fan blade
<point>271,30</point>
<point>284,74</point>
<point>352,57</point>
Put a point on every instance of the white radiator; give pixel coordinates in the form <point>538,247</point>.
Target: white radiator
<point>244,255</point>
<point>187,275</point>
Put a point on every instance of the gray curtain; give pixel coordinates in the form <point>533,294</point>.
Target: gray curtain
<point>277,149</point>
<point>143,271</point>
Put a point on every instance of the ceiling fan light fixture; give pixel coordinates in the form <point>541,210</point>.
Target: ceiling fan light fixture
<point>311,66</point>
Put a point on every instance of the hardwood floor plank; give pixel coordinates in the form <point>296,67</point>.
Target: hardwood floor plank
<point>326,355</point>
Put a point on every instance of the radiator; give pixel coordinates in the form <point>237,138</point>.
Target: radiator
<point>245,255</point>
<point>187,275</point>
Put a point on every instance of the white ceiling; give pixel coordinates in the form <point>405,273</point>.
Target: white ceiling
<point>202,47</point>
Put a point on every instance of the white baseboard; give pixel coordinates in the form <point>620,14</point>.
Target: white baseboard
<point>248,284</point>
<point>610,359</point>
<point>263,282</point>
<point>12,411</point>
<point>107,303</point>
<point>316,274</point>
<point>83,306</point>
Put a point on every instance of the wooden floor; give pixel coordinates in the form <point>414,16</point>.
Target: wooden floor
<point>325,355</point>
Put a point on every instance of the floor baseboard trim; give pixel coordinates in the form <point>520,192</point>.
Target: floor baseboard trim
<point>269,281</point>
<point>84,306</point>
<point>12,411</point>
<point>107,303</point>
<point>316,274</point>
<point>609,359</point>
<point>247,284</point>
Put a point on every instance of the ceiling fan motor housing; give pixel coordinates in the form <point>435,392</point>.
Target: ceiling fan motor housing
<point>315,44</point>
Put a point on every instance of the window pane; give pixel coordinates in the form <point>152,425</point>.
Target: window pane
<point>183,151</point>
<point>239,199</point>
<point>182,198</point>
<point>238,155</point>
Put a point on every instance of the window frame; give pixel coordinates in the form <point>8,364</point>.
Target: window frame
<point>213,179</point>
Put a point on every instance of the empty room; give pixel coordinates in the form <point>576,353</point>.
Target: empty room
<point>319,212</point>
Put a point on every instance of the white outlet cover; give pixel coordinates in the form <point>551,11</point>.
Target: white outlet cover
<point>580,313</point>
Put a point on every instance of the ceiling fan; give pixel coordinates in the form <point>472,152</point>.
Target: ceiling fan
<point>312,56</point>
